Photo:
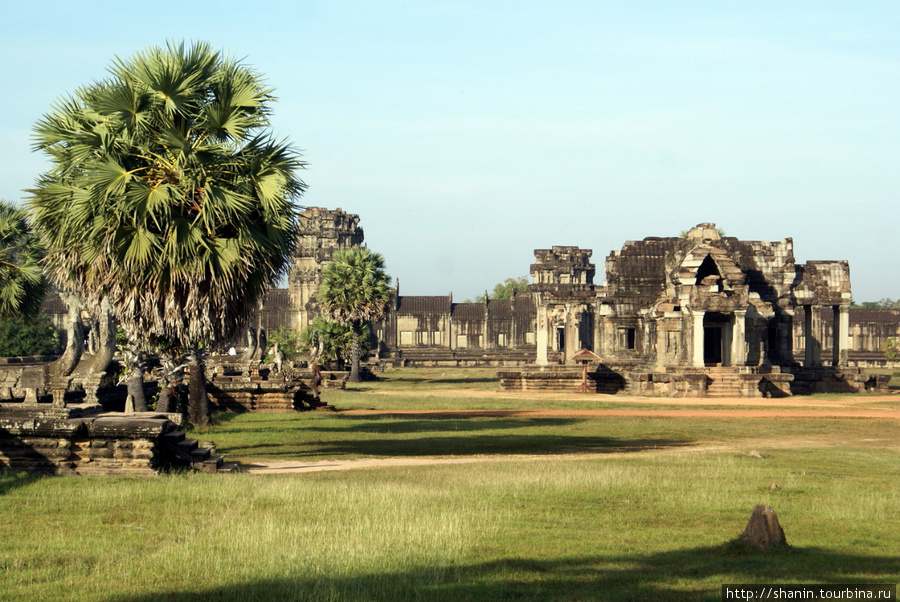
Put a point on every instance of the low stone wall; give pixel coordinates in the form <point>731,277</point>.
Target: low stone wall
<point>689,383</point>
<point>666,384</point>
<point>563,379</point>
<point>838,380</point>
<point>95,445</point>
<point>458,358</point>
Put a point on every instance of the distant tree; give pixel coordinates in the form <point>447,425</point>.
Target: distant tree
<point>22,282</point>
<point>355,289</point>
<point>509,287</point>
<point>885,303</point>
<point>34,335</point>
<point>504,290</point>
<point>891,348</point>
<point>169,196</point>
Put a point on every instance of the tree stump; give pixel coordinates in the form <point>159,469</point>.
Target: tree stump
<point>763,531</point>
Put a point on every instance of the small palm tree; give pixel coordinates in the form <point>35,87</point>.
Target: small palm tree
<point>336,339</point>
<point>355,289</point>
<point>169,196</point>
<point>22,282</point>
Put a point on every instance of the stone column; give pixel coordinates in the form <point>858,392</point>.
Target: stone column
<point>452,341</point>
<point>697,346</point>
<point>727,343</point>
<point>841,333</point>
<point>813,354</point>
<point>739,339</point>
<point>542,336</point>
<point>573,323</point>
<point>662,358</point>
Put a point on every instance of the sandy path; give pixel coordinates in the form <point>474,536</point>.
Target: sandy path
<point>795,401</point>
<point>651,413</point>
<point>828,409</point>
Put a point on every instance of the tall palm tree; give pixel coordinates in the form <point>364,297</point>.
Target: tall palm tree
<point>22,282</point>
<point>355,289</point>
<point>169,196</point>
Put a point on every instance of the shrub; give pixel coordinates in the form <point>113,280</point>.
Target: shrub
<point>28,336</point>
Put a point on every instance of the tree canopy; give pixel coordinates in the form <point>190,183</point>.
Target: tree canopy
<point>885,303</point>
<point>22,282</point>
<point>509,287</point>
<point>168,194</point>
<point>355,289</point>
<point>505,290</point>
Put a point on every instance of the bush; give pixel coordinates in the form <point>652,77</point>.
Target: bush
<point>28,336</point>
<point>288,342</point>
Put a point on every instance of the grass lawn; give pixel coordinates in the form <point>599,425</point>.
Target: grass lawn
<point>546,509</point>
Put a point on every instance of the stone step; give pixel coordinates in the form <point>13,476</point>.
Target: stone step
<point>186,445</point>
<point>211,464</point>
<point>188,452</point>
<point>200,454</point>
<point>173,437</point>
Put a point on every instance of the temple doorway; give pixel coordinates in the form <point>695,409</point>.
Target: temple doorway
<point>714,338</point>
<point>712,345</point>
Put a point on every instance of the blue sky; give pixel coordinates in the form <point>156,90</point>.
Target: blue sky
<point>467,134</point>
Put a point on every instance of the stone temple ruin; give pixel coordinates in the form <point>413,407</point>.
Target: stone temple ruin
<point>697,314</point>
<point>694,315</point>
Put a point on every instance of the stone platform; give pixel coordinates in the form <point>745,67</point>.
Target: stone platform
<point>82,441</point>
<point>713,381</point>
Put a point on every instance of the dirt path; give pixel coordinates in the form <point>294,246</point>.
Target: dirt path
<point>828,409</point>
<point>837,401</point>
<point>650,413</point>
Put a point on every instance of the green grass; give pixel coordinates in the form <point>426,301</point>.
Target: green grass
<point>432,379</point>
<point>643,527</point>
<point>334,436</point>
<point>563,509</point>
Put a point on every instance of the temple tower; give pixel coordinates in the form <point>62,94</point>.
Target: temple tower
<point>322,232</point>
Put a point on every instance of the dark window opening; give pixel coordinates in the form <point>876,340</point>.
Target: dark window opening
<point>708,273</point>
<point>627,338</point>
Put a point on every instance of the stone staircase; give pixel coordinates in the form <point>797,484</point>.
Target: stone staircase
<point>723,382</point>
<point>178,450</point>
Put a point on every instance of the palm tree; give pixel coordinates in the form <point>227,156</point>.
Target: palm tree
<point>169,196</point>
<point>355,289</point>
<point>22,282</point>
<point>336,339</point>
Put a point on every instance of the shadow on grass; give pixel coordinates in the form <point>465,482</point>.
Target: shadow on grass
<point>416,436</point>
<point>626,577</point>
<point>503,444</point>
<point>10,480</point>
<point>415,423</point>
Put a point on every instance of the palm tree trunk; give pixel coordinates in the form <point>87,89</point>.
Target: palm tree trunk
<point>354,352</point>
<point>198,403</point>
<point>166,399</point>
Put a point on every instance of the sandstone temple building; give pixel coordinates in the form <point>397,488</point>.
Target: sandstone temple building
<point>669,308</point>
<point>671,312</point>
